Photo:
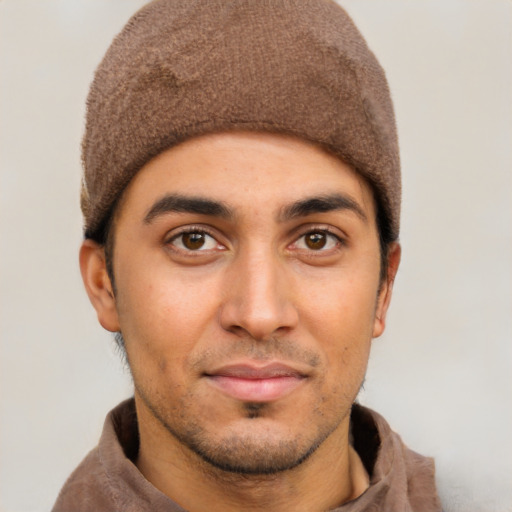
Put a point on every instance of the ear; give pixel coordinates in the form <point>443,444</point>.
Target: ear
<point>386,290</point>
<point>98,285</point>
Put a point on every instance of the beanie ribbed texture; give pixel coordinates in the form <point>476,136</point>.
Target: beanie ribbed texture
<point>180,69</point>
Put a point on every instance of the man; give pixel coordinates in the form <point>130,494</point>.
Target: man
<point>241,200</point>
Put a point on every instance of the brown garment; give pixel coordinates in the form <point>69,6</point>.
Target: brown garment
<point>107,481</point>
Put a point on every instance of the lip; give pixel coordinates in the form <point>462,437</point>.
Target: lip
<point>255,383</point>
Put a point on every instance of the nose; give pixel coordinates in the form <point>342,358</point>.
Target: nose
<point>258,299</point>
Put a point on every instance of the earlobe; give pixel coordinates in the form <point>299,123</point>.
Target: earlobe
<point>386,291</point>
<point>97,284</point>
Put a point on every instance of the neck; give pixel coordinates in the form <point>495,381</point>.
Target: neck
<point>331,476</point>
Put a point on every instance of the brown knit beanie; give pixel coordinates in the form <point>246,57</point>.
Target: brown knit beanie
<point>182,68</point>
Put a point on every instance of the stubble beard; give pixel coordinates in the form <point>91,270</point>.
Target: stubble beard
<point>243,454</point>
<point>254,452</point>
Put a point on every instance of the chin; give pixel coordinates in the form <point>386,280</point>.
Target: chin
<point>254,444</point>
<point>252,452</point>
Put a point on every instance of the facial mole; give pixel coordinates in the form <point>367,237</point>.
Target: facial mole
<point>162,364</point>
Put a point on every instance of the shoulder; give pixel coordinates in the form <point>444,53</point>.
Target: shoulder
<point>400,478</point>
<point>97,483</point>
<point>87,488</point>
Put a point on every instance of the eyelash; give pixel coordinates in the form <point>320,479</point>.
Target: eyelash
<point>200,230</point>
<point>338,240</point>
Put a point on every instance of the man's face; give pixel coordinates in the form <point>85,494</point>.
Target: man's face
<point>247,292</point>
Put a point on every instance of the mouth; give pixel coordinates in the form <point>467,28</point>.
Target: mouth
<point>253,383</point>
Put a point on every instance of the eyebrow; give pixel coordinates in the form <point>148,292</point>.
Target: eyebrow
<point>176,203</point>
<point>187,204</point>
<point>321,204</point>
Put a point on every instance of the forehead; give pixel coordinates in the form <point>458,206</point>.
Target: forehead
<point>246,170</point>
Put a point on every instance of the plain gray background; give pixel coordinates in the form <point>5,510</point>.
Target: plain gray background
<point>441,374</point>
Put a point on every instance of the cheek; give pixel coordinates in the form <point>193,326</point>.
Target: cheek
<point>342,308</point>
<point>163,314</point>
<point>340,316</point>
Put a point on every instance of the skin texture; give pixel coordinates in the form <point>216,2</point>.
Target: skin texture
<point>247,319</point>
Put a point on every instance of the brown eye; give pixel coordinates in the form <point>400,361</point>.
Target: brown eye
<point>193,241</point>
<point>315,241</point>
